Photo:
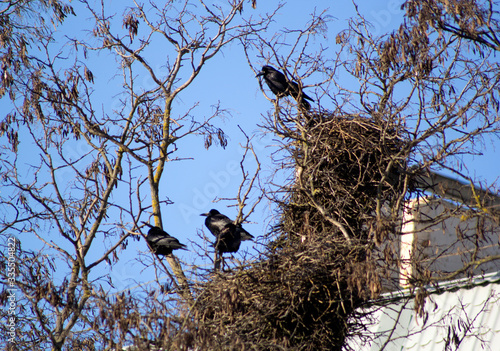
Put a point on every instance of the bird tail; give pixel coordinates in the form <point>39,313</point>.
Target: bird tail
<point>304,104</point>
<point>298,94</point>
<point>245,235</point>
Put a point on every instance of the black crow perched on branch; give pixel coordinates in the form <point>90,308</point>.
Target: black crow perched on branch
<point>160,242</point>
<point>229,235</point>
<point>280,86</point>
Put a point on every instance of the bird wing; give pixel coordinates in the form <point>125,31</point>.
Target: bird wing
<point>217,223</point>
<point>294,91</point>
<point>244,234</point>
<point>166,241</point>
<point>276,81</point>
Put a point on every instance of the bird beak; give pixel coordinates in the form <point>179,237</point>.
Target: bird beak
<point>259,74</point>
<point>204,214</point>
<point>149,225</point>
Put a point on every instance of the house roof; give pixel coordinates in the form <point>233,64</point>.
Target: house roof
<point>459,315</point>
<point>453,189</point>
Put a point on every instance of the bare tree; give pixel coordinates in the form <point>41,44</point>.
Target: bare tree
<point>475,21</point>
<point>73,202</point>
<point>422,101</point>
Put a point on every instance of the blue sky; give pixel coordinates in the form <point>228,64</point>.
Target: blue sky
<point>192,185</point>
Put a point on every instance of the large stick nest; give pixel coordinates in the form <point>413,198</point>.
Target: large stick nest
<point>349,170</point>
<point>348,176</point>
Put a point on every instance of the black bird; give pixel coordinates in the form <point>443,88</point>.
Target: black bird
<point>229,235</point>
<point>280,86</point>
<point>160,242</point>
